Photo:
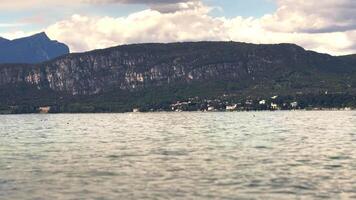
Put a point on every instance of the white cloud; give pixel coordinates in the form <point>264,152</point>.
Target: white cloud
<point>329,28</point>
<point>84,33</point>
<point>312,16</point>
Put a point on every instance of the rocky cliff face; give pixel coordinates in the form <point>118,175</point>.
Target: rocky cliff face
<point>135,67</point>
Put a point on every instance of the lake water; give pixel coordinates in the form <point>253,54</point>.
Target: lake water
<point>247,155</point>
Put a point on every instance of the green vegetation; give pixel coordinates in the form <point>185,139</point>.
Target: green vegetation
<point>186,97</point>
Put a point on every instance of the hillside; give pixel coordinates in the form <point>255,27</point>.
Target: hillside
<point>155,76</point>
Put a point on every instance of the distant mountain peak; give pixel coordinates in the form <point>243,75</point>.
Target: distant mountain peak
<point>32,49</point>
<point>41,35</point>
<point>3,40</point>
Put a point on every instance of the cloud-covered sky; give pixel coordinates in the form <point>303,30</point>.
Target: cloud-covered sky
<point>327,26</point>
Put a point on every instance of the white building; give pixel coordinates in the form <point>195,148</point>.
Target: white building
<point>274,106</point>
<point>294,104</point>
<point>211,108</point>
<point>231,108</point>
<point>249,102</point>
<point>44,109</point>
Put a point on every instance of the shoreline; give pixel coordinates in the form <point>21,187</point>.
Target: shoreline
<point>218,111</point>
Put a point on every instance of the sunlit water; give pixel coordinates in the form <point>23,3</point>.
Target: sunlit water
<point>265,155</point>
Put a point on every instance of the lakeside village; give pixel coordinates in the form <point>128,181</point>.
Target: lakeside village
<point>273,103</point>
<point>220,105</point>
<point>336,101</point>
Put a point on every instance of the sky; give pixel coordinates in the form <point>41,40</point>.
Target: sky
<point>327,26</point>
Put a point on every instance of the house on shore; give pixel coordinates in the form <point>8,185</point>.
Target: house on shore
<point>44,109</point>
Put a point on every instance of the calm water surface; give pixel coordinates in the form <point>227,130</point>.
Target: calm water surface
<point>266,155</point>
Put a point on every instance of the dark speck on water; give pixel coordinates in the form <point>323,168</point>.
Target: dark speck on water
<point>339,157</point>
<point>263,155</point>
<point>261,147</point>
<point>113,156</point>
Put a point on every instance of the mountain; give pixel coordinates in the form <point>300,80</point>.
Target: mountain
<point>3,40</point>
<point>154,76</point>
<point>34,49</point>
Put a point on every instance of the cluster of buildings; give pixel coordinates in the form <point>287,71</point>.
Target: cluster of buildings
<point>224,105</point>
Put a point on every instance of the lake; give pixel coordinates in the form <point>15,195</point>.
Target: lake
<point>237,155</point>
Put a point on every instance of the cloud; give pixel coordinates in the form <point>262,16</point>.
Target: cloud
<point>144,26</point>
<point>138,1</point>
<point>160,5</point>
<point>312,16</point>
<point>329,29</point>
<point>195,23</point>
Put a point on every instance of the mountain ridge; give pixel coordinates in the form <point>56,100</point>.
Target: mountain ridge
<point>3,40</point>
<point>177,71</point>
<point>32,49</point>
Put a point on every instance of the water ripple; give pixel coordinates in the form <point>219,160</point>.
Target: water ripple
<point>263,155</point>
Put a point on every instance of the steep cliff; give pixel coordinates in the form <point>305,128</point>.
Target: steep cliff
<point>239,67</point>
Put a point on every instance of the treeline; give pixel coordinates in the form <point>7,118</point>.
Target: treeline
<point>222,103</point>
